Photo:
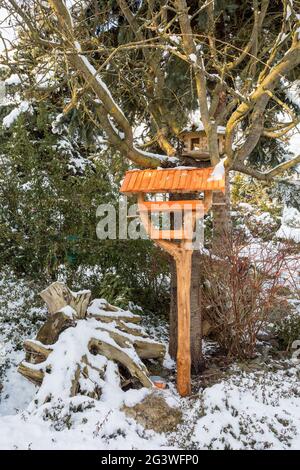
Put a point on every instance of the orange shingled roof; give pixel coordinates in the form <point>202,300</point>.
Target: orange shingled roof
<point>170,180</point>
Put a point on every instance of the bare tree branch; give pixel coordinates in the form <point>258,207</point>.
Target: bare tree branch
<point>268,175</point>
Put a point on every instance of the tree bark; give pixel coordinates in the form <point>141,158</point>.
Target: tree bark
<point>196,314</point>
<point>221,218</point>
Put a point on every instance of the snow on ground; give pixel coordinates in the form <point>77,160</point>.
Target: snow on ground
<point>97,426</point>
<point>290,225</point>
<point>256,409</point>
<point>19,318</point>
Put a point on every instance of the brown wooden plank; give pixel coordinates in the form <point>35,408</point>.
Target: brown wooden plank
<point>168,234</point>
<point>158,178</point>
<point>132,178</point>
<point>124,186</point>
<point>176,180</point>
<point>171,206</point>
<point>189,179</point>
<point>139,181</point>
<point>173,180</point>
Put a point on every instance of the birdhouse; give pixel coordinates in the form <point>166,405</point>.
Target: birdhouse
<point>196,144</point>
<point>166,181</point>
<point>177,241</point>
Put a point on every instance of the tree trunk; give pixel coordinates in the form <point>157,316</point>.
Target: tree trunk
<point>221,218</point>
<point>197,360</point>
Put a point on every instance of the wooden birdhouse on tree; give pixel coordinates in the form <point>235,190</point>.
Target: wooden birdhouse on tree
<point>177,241</point>
<point>196,144</point>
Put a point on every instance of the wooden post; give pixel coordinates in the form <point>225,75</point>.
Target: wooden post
<point>182,253</point>
<point>183,268</point>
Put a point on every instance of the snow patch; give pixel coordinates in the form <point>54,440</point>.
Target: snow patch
<point>193,58</point>
<point>218,172</point>
<point>290,225</point>
<point>23,107</point>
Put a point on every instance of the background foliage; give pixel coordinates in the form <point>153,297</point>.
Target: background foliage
<point>49,194</point>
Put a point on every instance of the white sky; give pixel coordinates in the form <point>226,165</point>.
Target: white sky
<point>7,31</point>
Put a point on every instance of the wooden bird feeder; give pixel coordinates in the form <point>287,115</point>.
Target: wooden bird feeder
<point>178,242</point>
<point>196,144</point>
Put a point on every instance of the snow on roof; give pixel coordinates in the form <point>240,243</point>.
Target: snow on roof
<point>198,127</point>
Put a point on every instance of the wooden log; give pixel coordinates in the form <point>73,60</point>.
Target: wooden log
<point>32,374</point>
<point>149,350</point>
<point>110,308</point>
<point>50,331</point>
<point>130,345</point>
<point>135,330</point>
<point>36,352</point>
<point>117,317</point>
<point>88,364</point>
<point>75,381</point>
<point>120,339</point>
<point>80,302</point>
<point>144,349</point>
<point>115,354</point>
<point>58,296</point>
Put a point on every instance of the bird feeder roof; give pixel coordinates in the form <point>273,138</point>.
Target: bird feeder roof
<point>198,129</point>
<point>175,180</point>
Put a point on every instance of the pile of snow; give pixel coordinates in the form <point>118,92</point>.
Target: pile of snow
<point>65,358</point>
<point>290,225</point>
<point>218,172</point>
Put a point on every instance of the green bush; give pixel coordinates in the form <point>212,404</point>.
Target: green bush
<point>48,216</point>
<point>287,330</point>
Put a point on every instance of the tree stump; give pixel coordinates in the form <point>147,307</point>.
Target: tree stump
<point>58,295</point>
